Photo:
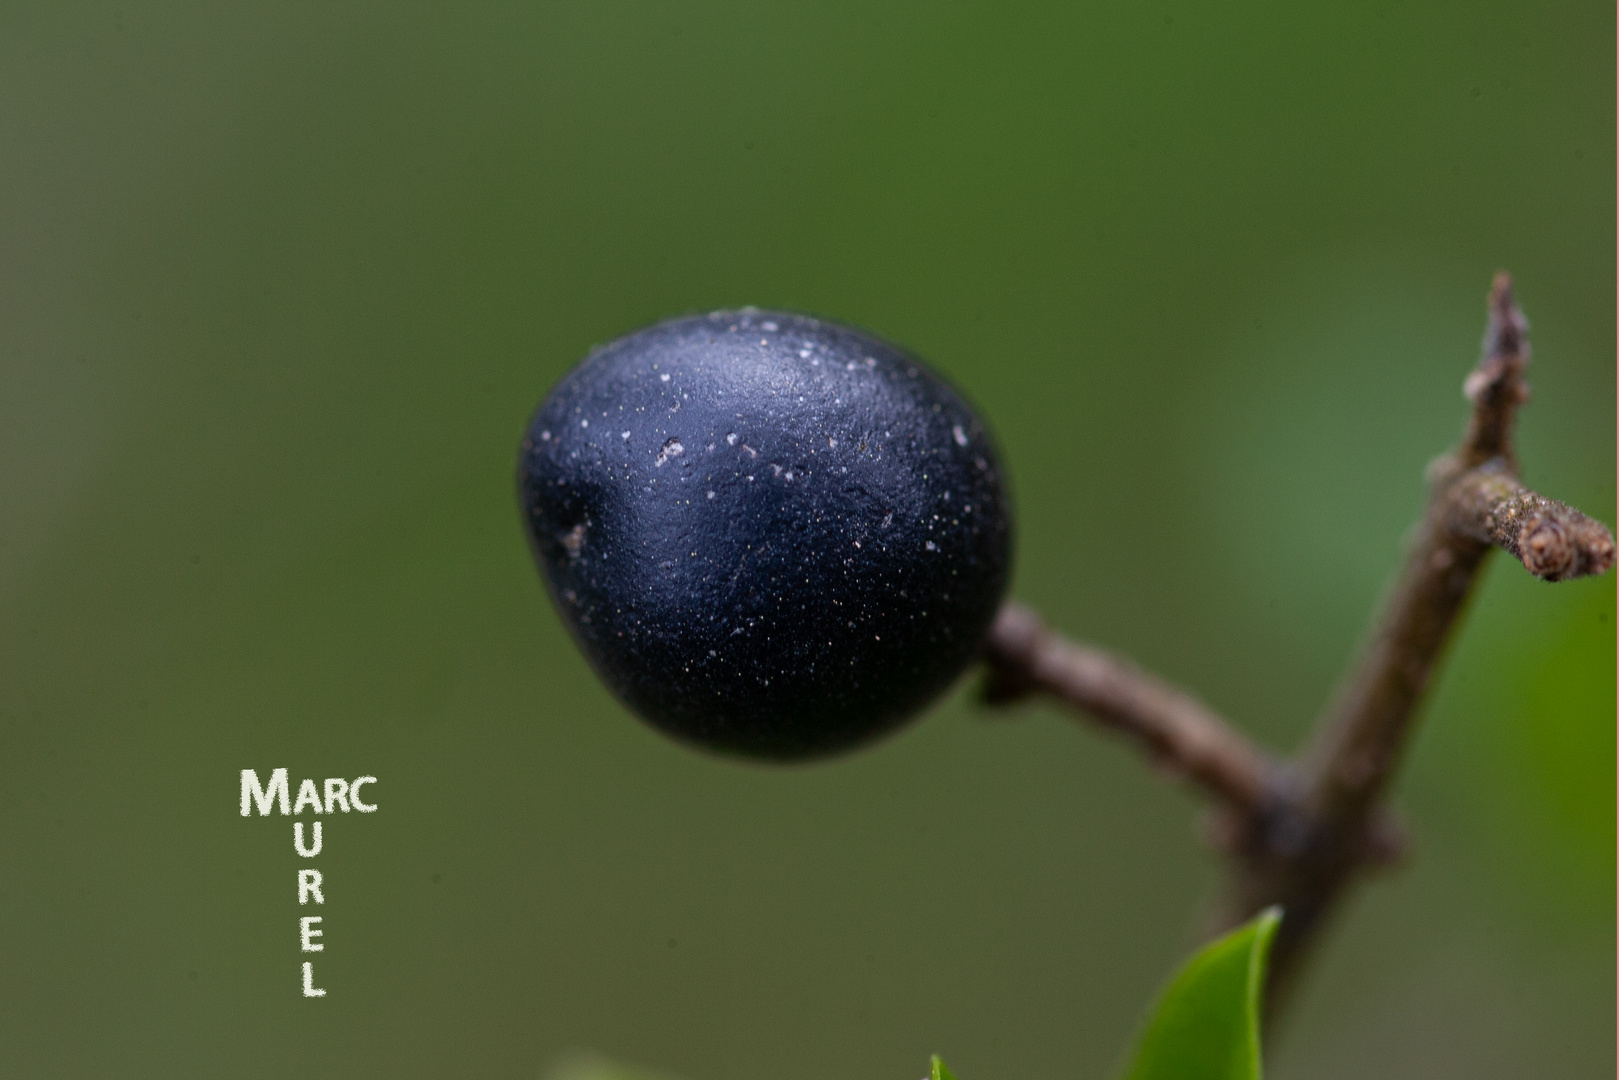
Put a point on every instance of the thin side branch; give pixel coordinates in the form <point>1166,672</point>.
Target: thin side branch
<point>1180,732</point>
<point>1553,540</point>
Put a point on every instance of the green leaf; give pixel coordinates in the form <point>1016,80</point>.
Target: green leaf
<point>1205,1025</point>
<point>585,1065</point>
<point>939,1070</point>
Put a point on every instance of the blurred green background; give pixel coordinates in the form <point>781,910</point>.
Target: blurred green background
<point>280,284</point>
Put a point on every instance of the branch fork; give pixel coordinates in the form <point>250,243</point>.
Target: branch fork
<point>1299,832</point>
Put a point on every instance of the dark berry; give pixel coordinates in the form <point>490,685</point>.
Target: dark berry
<point>770,535</point>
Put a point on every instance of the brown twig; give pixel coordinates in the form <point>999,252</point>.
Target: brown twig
<point>1299,834</point>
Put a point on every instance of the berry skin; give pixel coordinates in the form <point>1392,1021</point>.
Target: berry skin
<point>770,535</point>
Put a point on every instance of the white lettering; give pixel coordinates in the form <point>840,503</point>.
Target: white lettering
<point>307,931</point>
<point>307,796</point>
<point>309,885</point>
<point>354,794</point>
<point>310,989</point>
<point>252,793</point>
<point>298,840</point>
<point>337,790</point>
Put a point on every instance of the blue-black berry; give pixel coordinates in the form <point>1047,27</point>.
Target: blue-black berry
<point>771,535</point>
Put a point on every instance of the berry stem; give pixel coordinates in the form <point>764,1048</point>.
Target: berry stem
<point>1178,731</point>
